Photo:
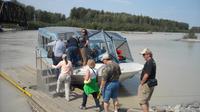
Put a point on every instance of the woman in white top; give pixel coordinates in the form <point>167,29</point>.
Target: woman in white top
<point>90,84</point>
<point>65,75</point>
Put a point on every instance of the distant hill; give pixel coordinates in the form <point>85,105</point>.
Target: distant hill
<point>122,21</point>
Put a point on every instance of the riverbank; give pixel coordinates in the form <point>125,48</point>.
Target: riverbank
<point>189,40</point>
<point>187,107</point>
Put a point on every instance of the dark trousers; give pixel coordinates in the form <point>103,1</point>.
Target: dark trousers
<point>56,60</point>
<point>72,54</point>
<point>95,99</point>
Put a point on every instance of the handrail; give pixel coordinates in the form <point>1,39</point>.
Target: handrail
<point>1,7</point>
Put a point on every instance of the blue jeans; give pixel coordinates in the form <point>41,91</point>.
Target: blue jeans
<point>110,91</point>
<point>72,54</point>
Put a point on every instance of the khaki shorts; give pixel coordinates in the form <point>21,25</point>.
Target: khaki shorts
<point>144,94</point>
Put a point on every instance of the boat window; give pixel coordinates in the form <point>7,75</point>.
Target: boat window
<point>123,51</point>
<point>99,44</point>
<point>40,40</point>
<point>90,32</point>
<point>79,32</point>
<point>43,42</point>
<point>66,35</point>
<point>111,46</point>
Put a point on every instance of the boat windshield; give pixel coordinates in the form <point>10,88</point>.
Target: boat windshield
<point>112,43</point>
<point>122,48</point>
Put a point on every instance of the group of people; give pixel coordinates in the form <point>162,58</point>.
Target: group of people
<point>65,56</point>
<point>110,74</point>
<point>75,49</point>
<point>109,83</point>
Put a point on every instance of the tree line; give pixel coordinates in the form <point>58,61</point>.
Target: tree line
<point>122,21</point>
<point>95,19</point>
<point>195,29</point>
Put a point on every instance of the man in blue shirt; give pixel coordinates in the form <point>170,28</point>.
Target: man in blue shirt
<point>58,49</point>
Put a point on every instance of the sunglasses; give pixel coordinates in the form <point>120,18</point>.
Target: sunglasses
<point>143,54</point>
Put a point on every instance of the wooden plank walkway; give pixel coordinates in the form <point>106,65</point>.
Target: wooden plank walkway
<point>59,104</point>
<point>25,76</point>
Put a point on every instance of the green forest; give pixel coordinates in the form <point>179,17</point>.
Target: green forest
<point>122,21</point>
<point>100,19</point>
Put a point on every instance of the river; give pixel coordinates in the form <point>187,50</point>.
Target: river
<point>178,65</point>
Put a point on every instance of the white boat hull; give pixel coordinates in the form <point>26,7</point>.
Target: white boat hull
<point>128,71</point>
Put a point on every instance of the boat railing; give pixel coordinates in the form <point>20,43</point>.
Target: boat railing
<point>42,65</point>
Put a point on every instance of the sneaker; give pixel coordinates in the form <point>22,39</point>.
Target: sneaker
<point>118,110</point>
<point>82,107</point>
<point>68,100</point>
<point>98,109</point>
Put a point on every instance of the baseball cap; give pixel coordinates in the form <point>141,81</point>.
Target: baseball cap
<point>105,56</point>
<point>145,50</point>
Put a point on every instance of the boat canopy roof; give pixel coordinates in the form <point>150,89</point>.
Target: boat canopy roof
<point>100,41</point>
<point>55,32</point>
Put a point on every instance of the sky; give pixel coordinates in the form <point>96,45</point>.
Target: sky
<point>179,10</point>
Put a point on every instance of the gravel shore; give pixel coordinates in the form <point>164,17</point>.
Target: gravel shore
<point>188,107</point>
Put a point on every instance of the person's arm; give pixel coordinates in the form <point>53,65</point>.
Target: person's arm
<point>87,75</point>
<point>103,82</point>
<point>145,78</point>
<point>104,78</point>
<point>147,72</point>
<point>87,41</point>
<point>57,66</point>
<point>71,69</point>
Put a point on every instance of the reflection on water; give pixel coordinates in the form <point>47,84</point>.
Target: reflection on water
<point>178,65</point>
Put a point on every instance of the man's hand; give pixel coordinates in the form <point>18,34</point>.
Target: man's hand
<point>144,79</point>
<point>102,84</point>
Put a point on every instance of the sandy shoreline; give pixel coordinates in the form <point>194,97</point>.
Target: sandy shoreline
<point>190,40</point>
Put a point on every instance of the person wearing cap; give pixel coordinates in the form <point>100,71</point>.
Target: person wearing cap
<point>72,49</point>
<point>83,45</point>
<point>145,90</point>
<point>58,50</point>
<point>65,75</point>
<point>110,82</point>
